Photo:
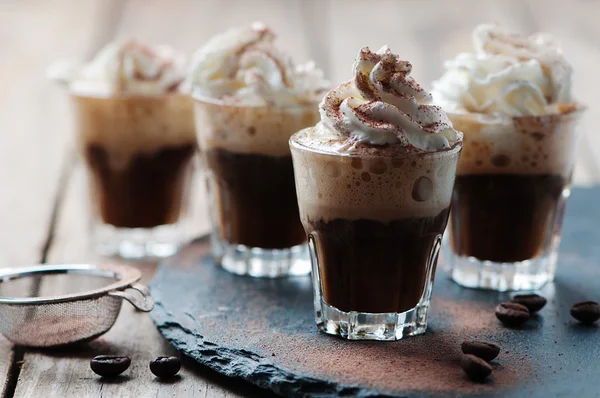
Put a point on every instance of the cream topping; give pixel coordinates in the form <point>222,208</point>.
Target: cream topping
<point>383,105</point>
<point>508,74</point>
<point>243,66</point>
<point>127,67</point>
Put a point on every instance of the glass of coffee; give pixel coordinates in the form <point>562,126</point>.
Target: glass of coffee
<point>135,133</point>
<point>520,138</point>
<point>374,181</point>
<point>248,101</point>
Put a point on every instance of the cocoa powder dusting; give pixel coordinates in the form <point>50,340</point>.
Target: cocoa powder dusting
<point>239,323</point>
<point>429,363</point>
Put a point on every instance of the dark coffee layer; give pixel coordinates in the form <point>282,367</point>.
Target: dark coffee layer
<point>147,193</point>
<point>503,217</point>
<point>371,266</point>
<point>257,200</point>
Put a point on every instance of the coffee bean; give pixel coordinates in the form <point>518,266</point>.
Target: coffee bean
<point>533,302</point>
<point>586,312</point>
<point>481,349</point>
<point>165,367</point>
<point>512,314</point>
<point>476,368</point>
<point>109,365</point>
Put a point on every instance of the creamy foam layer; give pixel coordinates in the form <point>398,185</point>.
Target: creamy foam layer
<point>519,145</point>
<point>124,67</point>
<point>261,130</point>
<point>129,125</point>
<point>243,66</point>
<point>382,186</point>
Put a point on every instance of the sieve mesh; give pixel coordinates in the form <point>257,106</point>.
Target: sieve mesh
<point>78,315</point>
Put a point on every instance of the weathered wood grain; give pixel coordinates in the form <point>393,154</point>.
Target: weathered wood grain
<point>67,373</point>
<point>36,126</point>
<point>35,130</point>
<point>6,362</point>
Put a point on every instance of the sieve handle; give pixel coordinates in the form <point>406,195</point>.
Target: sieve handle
<point>145,303</point>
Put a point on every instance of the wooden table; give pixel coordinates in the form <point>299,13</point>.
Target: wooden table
<point>42,200</point>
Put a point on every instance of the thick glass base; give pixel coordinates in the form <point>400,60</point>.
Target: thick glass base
<point>137,243</point>
<point>355,325</point>
<point>365,326</point>
<point>523,275</point>
<point>261,263</point>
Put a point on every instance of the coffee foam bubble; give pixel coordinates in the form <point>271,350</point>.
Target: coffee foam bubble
<point>376,186</point>
<point>262,130</point>
<point>518,145</point>
<point>128,125</point>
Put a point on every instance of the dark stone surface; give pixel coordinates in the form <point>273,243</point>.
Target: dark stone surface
<point>263,330</point>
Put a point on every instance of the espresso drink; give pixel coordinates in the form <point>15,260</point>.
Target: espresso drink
<point>374,181</point>
<point>250,97</point>
<point>510,187</point>
<point>139,151</point>
<point>257,199</point>
<point>250,174</point>
<point>505,217</point>
<point>375,221</point>
<point>372,266</point>
<point>148,192</point>
<point>512,99</point>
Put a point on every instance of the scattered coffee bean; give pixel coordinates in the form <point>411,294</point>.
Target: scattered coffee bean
<point>586,312</point>
<point>109,365</point>
<point>512,314</point>
<point>533,302</point>
<point>481,349</point>
<point>165,367</point>
<point>476,368</point>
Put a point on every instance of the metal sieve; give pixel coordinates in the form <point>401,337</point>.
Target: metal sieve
<point>87,304</point>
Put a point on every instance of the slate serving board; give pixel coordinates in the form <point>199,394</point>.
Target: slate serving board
<point>263,330</point>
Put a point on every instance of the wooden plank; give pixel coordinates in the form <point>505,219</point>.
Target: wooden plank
<point>330,31</point>
<point>7,359</point>
<point>35,128</point>
<point>67,373</point>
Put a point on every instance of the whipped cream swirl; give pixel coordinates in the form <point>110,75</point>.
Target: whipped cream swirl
<point>383,105</point>
<point>507,75</point>
<point>243,66</point>
<point>128,67</point>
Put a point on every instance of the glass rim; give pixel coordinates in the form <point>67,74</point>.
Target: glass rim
<point>448,152</point>
<point>204,99</point>
<point>577,110</point>
<point>118,95</point>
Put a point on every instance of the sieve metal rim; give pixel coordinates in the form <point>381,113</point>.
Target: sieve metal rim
<point>126,277</point>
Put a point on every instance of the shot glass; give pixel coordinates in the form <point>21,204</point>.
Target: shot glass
<point>374,226</point>
<point>512,185</point>
<point>138,153</point>
<point>248,169</point>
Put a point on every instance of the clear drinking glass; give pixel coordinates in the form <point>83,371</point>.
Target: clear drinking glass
<point>138,154</point>
<point>374,226</point>
<point>248,168</point>
<point>511,189</point>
